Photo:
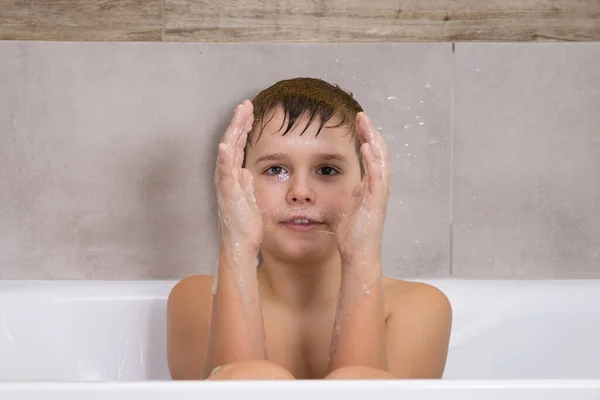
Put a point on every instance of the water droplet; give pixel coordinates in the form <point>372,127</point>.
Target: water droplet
<point>408,107</point>
<point>421,123</point>
<point>406,144</point>
<point>408,155</point>
<point>421,101</point>
<point>406,126</point>
<point>475,197</point>
<point>391,97</point>
<point>490,259</point>
<point>476,69</point>
<point>418,117</point>
<point>378,128</point>
<point>427,85</point>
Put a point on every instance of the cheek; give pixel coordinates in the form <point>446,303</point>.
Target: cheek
<point>267,196</point>
<point>338,200</point>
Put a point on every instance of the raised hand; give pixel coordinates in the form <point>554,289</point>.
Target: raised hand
<point>360,233</point>
<point>239,216</point>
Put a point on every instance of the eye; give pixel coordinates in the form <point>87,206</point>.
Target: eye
<point>327,171</point>
<point>275,170</point>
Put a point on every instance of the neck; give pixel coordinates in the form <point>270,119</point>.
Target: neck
<point>302,284</point>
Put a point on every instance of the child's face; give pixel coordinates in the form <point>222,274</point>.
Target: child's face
<point>299,178</point>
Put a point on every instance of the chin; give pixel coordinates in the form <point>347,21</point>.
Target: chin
<point>298,250</point>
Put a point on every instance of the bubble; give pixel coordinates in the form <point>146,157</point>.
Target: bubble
<point>282,177</point>
<point>215,284</point>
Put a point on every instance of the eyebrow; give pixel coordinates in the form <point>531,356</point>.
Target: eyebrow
<point>271,157</point>
<point>281,156</point>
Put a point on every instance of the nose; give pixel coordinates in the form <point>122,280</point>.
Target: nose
<point>300,192</point>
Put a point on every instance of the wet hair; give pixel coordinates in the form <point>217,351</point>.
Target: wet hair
<point>298,97</point>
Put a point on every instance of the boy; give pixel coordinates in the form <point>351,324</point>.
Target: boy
<point>302,177</point>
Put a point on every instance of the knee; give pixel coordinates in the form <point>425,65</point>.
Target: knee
<point>251,370</point>
<point>359,372</point>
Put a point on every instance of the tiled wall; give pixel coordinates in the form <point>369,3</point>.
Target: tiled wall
<point>107,152</point>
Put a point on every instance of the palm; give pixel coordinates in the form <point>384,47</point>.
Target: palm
<point>362,228</point>
<point>240,217</point>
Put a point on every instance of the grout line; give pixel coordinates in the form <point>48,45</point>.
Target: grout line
<point>162,35</point>
<point>452,112</point>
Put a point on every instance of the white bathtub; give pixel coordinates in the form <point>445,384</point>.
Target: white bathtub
<point>509,339</point>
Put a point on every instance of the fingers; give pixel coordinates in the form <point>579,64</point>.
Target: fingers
<point>367,133</point>
<point>248,185</point>
<point>377,175</point>
<point>224,162</point>
<point>239,121</point>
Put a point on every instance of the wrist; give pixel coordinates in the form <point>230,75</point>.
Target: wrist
<point>354,258</point>
<point>238,250</point>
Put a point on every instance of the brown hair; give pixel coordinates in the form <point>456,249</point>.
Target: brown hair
<point>315,97</point>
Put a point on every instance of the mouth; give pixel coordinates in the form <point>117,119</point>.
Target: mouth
<point>301,223</point>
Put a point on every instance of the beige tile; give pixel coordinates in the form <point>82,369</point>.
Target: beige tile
<point>527,161</point>
<point>77,20</point>
<point>381,20</point>
<point>107,150</point>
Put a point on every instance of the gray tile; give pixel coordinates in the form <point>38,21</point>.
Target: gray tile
<point>527,161</point>
<point>107,150</point>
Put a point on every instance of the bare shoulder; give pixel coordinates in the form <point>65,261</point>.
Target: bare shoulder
<point>418,326</point>
<point>195,284</point>
<point>190,298</point>
<point>189,308</point>
<point>415,297</point>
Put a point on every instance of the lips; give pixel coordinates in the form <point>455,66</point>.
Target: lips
<point>301,223</point>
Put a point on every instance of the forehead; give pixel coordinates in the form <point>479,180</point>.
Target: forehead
<point>331,137</point>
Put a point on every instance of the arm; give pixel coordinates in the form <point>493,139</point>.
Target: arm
<point>236,327</point>
<point>359,332</point>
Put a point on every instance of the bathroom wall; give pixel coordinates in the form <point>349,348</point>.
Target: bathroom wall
<point>306,21</point>
<point>107,152</point>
